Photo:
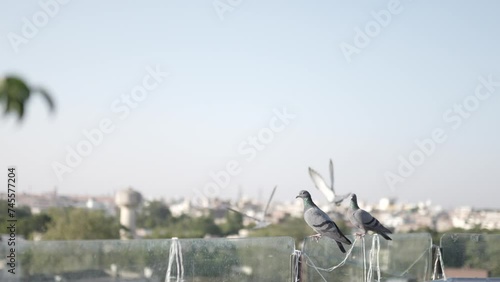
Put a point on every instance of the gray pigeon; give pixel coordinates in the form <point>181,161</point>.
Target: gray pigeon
<point>320,222</point>
<point>327,190</point>
<point>364,221</point>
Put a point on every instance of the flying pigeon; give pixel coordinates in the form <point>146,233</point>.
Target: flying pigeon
<point>328,191</point>
<point>320,222</point>
<point>364,221</point>
<point>260,223</point>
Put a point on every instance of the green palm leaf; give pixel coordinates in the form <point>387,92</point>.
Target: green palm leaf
<point>14,93</point>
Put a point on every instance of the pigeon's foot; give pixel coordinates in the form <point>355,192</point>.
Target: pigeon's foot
<point>316,237</point>
<point>360,234</point>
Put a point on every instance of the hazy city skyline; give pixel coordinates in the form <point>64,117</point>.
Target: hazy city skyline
<point>183,99</point>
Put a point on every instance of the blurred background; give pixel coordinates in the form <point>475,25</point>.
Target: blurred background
<point>224,100</point>
<point>146,120</point>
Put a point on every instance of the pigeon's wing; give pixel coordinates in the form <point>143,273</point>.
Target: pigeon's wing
<point>323,224</point>
<point>331,177</point>
<point>340,198</point>
<point>337,198</point>
<point>243,214</point>
<point>315,216</point>
<point>369,222</point>
<point>354,219</point>
<point>320,183</point>
<point>268,202</point>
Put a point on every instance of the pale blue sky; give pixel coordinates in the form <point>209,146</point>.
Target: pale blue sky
<point>227,76</point>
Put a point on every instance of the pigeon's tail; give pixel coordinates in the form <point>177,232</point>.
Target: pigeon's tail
<point>341,247</point>
<point>340,198</point>
<point>384,235</point>
<point>345,240</point>
<point>338,236</point>
<point>382,229</point>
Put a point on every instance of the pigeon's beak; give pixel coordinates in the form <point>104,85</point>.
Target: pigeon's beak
<point>298,196</point>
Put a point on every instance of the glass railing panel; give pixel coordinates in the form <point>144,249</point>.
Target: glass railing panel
<point>407,257</point>
<point>249,259</point>
<point>467,255</point>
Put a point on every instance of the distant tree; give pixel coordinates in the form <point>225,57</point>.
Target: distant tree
<point>154,214</point>
<point>37,223</point>
<point>234,222</point>
<point>81,224</point>
<point>189,227</point>
<point>28,223</point>
<point>14,93</point>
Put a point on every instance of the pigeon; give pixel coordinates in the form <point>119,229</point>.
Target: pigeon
<point>320,222</point>
<point>260,223</point>
<point>364,221</point>
<point>328,191</point>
